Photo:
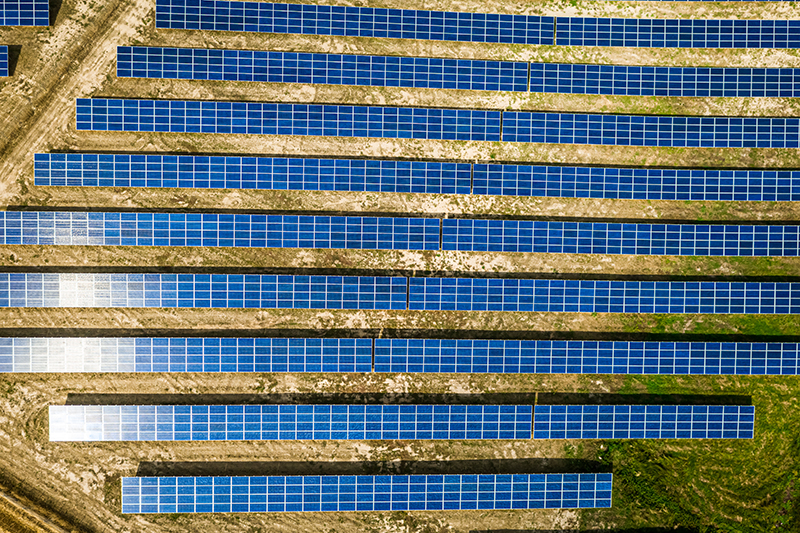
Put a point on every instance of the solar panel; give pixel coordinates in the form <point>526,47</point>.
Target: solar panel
<point>664,81</point>
<point>218,230</point>
<point>363,493</point>
<point>221,172</point>
<point>91,423</point>
<point>637,183</point>
<point>334,69</point>
<point>685,33</point>
<point>184,355</point>
<point>637,130</point>
<point>222,15</point>
<point>179,116</point>
<point>643,422</point>
<point>3,61</point>
<point>587,296</point>
<point>201,291</point>
<point>24,13</point>
<point>604,238</point>
<point>586,357</point>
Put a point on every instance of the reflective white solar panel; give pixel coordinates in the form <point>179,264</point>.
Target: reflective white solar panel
<point>364,493</point>
<point>230,172</point>
<point>24,13</point>
<point>171,354</point>
<point>202,291</point>
<point>225,15</point>
<point>586,357</point>
<point>91,423</point>
<point>587,296</point>
<point>180,116</point>
<point>637,130</point>
<point>334,69</point>
<point>643,422</point>
<point>218,230</point>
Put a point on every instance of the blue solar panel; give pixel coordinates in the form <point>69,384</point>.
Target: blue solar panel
<point>363,493</point>
<point>91,423</point>
<point>180,116</point>
<point>3,61</point>
<point>211,230</point>
<point>222,15</point>
<point>25,13</point>
<point>585,296</point>
<point>184,355</point>
<point>643,422</point>
<point>220,172</point>
<point>334,69</point>
<point>637,130</point>
<point>586,357</point>
<point>201,290</point>
<point>603,238</point>
<point>686,33</point>
<point>637,183</point>
<point>664,81</point>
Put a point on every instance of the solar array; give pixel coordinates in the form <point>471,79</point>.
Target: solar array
<point>604,238</point>
<point>664,81</point>
<point>233,291</point>
<point>220,172</point>
<point>213,230</point>
<point>179,116</point>
<point>202,291</point>
<point>643,421</point>
<point>168,354</point>
<point>585,357</point>
<point>637,130</point>
<point>364,493</point>
<point>590,296</point>
<point>223,15</point>
<point>24,13</point>
<point>287,422</point>
<point>184,355</point>
<point>334,69</point>
<point>3,61</point>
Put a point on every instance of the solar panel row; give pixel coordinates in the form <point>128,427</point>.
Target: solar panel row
<point>212,230</point>
<point>287,422</point>
<point>24,13</point>
<point>138,170</point>
<point>3,61</point>
<point>391,71</point>
<point>179,116</point>
<point>385,233</point>
<point>395,355</point>
<point>223,15</point>
<point>364,493</point>
<point>175,116</point>
<point>424,294</point>
<point>334,69</point>
<point>643,421</point>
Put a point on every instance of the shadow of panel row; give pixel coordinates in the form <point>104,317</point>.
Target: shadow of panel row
<point>96,423</point>
<point>466,74</point>
<point>307,174</point>
<point>475,27</point>
<point>165,354</point>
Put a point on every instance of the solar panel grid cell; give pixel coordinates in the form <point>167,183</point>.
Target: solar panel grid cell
<point>336,69</point>
<point>585,357</point>
<point>24,13</point>
<point>364,493</point>
<point>4,61</point>
<point>288,422</point>
<point>643,422</point>
<point>175,116</point>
